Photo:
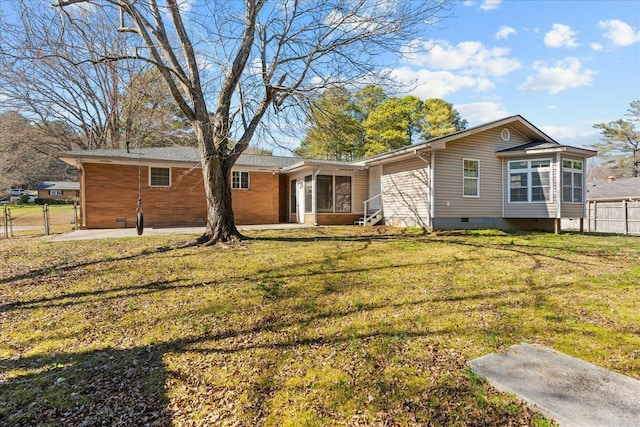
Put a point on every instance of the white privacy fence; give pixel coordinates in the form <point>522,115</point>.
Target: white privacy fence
<point>619,216</point>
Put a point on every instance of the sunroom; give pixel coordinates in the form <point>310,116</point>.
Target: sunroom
<point>544,181</point>
<point>322,192</point>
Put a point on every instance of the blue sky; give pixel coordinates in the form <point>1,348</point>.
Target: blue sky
<point>563,65</point>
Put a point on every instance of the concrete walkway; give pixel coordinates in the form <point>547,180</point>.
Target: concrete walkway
<point>131,232</point>
<point>568,390</point>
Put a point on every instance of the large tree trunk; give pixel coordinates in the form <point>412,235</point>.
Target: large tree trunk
<point>216,173</point>
<point>220,222</point>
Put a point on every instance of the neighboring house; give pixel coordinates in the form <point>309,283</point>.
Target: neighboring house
<point>58,190</point>
<point>506,174</point>
<point>613,206</point>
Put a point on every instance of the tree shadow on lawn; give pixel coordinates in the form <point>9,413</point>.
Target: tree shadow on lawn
<point>67,266</point>
<point>128,387</point>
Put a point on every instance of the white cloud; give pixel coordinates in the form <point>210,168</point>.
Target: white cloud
<point>596,47</point>
<point>504,32</point>
<point>437,84</point>
<point>560,36</point>
<point>185,6</point>
<point>469,57</point>
<point>477,113</point>
<point>577,134</point>
<point>490,4</point>
<point>619,33</point>
<point>563,75</point>
<point>484,4</point>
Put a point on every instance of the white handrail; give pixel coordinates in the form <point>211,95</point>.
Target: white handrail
<point>366,211</point>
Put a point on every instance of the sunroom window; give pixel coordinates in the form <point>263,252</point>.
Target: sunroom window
<point>530,181</point>
<point>572,181</point>
<point>333,194</point>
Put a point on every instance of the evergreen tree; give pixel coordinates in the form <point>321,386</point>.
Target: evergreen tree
<point>440,118</point>
<point>392,124</point>
<point>620,145</point>
<point>333,133</point>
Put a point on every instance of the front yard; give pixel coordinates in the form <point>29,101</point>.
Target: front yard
<point>325,326</point>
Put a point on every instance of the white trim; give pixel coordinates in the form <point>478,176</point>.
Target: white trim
<point>158,167</point>
<point>477,196</point>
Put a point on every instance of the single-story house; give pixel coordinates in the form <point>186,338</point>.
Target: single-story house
<point>506,174</point>
<point>58,190</point>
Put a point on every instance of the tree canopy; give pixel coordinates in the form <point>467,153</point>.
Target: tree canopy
<point>347,127</point>
<point>619,148</point>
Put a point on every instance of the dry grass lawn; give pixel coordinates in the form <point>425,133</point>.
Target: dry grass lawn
<point>324,326</point>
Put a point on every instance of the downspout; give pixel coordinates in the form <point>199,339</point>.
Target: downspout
<point>559,185</point>
<point>558,224</point>
<point>314,188</point>
<point>83,197</point>
<point>503,181</point>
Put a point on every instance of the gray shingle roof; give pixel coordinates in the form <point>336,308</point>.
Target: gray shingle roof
<point>538,145</point>
<point>57,185</point>
<point>621,188</point>
<point>179,154</point>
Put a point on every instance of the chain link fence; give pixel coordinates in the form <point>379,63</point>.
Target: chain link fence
<point>37,220</point>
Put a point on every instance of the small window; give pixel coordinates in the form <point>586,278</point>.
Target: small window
<point>55,192</point>
<point>159,177</point>
<point>240,180</point>
<point>470,178</point>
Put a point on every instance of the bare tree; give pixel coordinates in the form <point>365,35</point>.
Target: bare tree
<point>231,65</point>
<point>25,153</point>
<point>53,73</point>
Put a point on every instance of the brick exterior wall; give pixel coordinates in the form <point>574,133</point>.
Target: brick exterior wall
<point>260,204</point>
<point>111,196</point>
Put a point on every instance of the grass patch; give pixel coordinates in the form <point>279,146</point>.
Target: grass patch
<point>322,326</point>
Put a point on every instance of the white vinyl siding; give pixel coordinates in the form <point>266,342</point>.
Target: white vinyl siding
<point>448,178</point>
<point>360,190</point>
<point>406,197</point>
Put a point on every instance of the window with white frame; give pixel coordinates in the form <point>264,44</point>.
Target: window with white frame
<point>240,180</point>
<point>159,177</point>
<point>55,192</point>
<point>470,178</point>
<point>572,181</point>
<point>530,181</point>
